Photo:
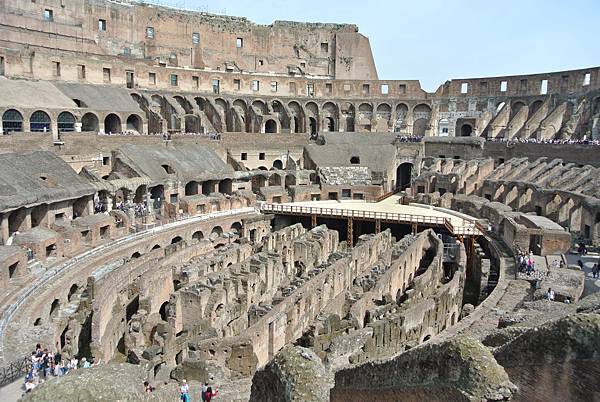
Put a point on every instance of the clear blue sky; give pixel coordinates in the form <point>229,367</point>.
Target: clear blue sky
<point>436,40</point>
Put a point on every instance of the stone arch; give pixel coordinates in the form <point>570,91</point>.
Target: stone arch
<point>192,188</point>
<point>112,123</point>
<point>226,186</point>
<point>275,180</point>
<point>282,115</point>
<point>535,106</point>
<point>197,236</point>
<point>420,127</point>
<point>54,307</point>
<point>236,227</point>
<point>383,117</point>
<point>466,129</point>
<point>258,181</point>
<point>403,175</point>
<point>239,119</point>
<point>260,107</point>
<point>66,122</point>
<point>297,116</point>
<point>90,122</point>
<point>596,105</point>
<point>278,164</point>
<point>365,115</point>
<point>349,116</point>
<point>134,123</point>
<point>515,106</point>
<point>176,239</point>
<point>39,121</point>
<point>72,290</point>
<point>216,232</point>
<point>330,116</point>
<point>422,108</point>
<point>290,180</point>
<point>12,121</point>
<point>312,114</point>
<point>271,126</point>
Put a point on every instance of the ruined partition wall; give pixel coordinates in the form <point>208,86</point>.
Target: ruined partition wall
<point>294,308</point>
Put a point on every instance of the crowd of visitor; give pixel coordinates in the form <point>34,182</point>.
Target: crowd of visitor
<point>206,394</point>
<point>553,142</point>
<point>46,364</point>
<point>408,138</point>
<point>525,261</point>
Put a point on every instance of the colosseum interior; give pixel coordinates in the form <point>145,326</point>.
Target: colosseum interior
<point>194,196</point>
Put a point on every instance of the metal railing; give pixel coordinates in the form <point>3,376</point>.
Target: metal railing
<point>348,213</point>
<point>14,370</point>
<point>471,229</point>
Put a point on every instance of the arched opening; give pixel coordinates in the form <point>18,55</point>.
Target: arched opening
<point>112,123</point>
<point>80,103</point>
<point>428,337</point>
<point>216,232</point>
<point>275,180</point>
<point>277,164</point>
<point>72,291</point>
<point>176,239</point>
<point>313,125</point>
<point>236,227</point>
<point>134,123</point>
<point>535,106</point>
<point>296,124</point>
<point>66,122</point>
<point>403,175</point>
<point>163,311</point>
<point>191,188</point>
<point>270,126</point>
<point>258,182</point>
<point>54,308</point>
<point>156,247</point>
<point>330,124</point>
<point>135,255</point>
<point>355,160</point>
<point>39,122</point>
<point>420,127</point>
<point>466,130</point>
<point>89,122</point>
<point>197,236</point>
<point>12,121</point>
<point>226,186</point>
<point>290,180</point>
<point>157,194</point>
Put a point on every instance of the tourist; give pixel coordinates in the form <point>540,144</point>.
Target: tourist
<point>580,263</point>
<point>148,388</point>
<point>550,294</point>
<point>74,363</point>
<point>595,271</point>
<point>203,392</point>
<point>209,394</point>
<point>184,391</point>
<point>29,386</point>
<point>85,363</point>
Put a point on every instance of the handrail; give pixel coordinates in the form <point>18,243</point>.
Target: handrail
<point>385,216</point>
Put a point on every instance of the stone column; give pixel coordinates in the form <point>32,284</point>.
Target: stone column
<point>3,228</point>
<point>54,129</point>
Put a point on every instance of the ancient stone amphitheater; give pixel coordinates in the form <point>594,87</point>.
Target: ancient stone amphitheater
<point>194,196</point>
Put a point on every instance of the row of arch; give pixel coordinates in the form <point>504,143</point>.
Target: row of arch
<point>181,112</point>
<point>40,121</point>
